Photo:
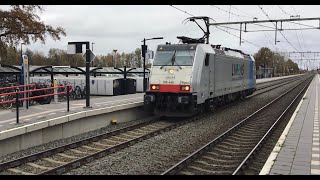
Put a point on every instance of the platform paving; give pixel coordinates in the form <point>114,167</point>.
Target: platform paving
<point>297,150</point>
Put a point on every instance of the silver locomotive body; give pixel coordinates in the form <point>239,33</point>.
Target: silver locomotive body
<point>189,78</point>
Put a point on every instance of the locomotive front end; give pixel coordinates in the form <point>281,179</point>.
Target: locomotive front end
<point>170,89</point>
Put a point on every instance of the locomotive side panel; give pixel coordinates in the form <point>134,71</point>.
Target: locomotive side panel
<point>231,75</point>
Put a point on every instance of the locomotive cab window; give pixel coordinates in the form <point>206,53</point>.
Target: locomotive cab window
<point>206,61</point>
<point>172,55</point>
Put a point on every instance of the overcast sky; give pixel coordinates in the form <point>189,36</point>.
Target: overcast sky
<point>122,27</point>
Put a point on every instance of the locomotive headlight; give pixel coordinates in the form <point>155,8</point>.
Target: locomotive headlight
<point>171,71</point>
<point>185,88</point>
<point>153,87</point>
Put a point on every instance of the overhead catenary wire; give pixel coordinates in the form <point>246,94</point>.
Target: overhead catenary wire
<point>238,37</point>
<point>242,11</point>
<point>230,12</point>
<point>293,23</point>
<point>300,26</point>
<point>284,11</point>
<point>257,25</point>
<point>279,31</point>
<point>181,10</point>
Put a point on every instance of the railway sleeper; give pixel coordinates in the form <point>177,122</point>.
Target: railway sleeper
<point>242,139</point>
<point>127,137</point>
<point>134,133</point>
<point>14,170</point>
<point>216,166</point>
<point>37,166</point>
<point>118,139</point>
<point>223,155</point>
<point>66,156</point>
<point>141,131</point>
<point>149,129</point>
<point>233,148</point>
<point>236,144</point>
<point>112,142</point>
<point>226,152</point>
<point>253,125</point>
<point>246,133</point>
<point>186,173</point>
<point>232,141</point>
<point>201,171</point>
<point>248,129</point>
<point>91,148</point>
<point>216,160</point>
<point>156,126</point>
<point>79,152</point>
<point>53,161</point>
<point>103,145</point>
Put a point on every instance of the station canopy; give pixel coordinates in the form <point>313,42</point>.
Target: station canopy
<point>9,70</point>
<point>56,70</point>
<point>69,70</point>
<point>117,71</point>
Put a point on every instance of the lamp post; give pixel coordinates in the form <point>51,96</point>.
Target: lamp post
<point>113,58</point>
<point>92,51</point>
<point>75,48</point>
<point>21,62</point>
<point>143,51</point>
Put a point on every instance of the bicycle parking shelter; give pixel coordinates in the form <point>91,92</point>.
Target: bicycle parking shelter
<point>70,70</point>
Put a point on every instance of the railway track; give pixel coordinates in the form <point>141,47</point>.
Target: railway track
<point>62,159</point>
<point>278,80</point>
<point>232,151</point>
<point>278,83</point>
<point>272,86</point>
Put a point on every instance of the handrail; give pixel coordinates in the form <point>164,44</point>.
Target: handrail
<point>17,99</point>
<point>19,86</point>
<point>34,97</point>
<point>34,90</point>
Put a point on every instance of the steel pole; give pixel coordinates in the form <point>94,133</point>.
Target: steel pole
<point>144,65</point>
<point>87,75</point>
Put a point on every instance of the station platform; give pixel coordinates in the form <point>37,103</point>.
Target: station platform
<point>53,110</point>
<point>297,150</point>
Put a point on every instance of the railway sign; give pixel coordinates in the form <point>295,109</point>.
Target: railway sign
<point>92,56</point>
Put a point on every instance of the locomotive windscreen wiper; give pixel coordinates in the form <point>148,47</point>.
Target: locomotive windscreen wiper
<point>173,60</point>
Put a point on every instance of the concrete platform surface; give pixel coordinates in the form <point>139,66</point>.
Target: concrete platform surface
<point>297,150</point>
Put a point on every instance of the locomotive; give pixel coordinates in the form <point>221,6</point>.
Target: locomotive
<point>194,77</point>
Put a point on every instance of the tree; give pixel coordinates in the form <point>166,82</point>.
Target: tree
<point>29,53</point>
<point>39,59</point>
<point>22,24</point>
<point>10,56</point>
<point>264,57</point>
<point>292,67</point>
<point>137,58</point>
